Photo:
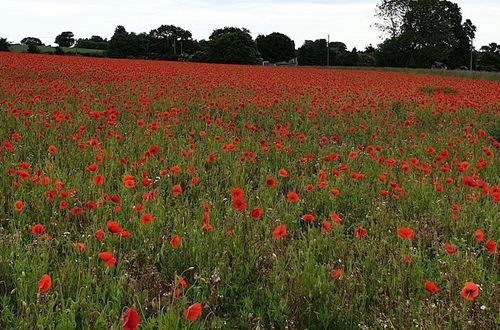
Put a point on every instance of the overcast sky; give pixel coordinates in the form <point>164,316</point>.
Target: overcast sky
<point>347,21</point>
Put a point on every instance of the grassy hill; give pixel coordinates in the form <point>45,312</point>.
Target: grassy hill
<point>18,48</point>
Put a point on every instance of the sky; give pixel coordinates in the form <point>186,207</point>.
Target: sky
<point>348,21</point>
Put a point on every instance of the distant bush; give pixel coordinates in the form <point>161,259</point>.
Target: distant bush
<point>32,49</point>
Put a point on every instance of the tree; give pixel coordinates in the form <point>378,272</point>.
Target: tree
<point>4,45</point>
<point>65,39</point>
<point>95,42</point>
<point>276,47</point>
<point>227,29</point>
<point>315,53</point>
<point>167,41</point>
<point>423,32</point>
<point>233,46</point>
<point>489,57</point>
<point>33,49</point>
<point>312,52</point>
<point>128,45</point>
<point>31,41</point>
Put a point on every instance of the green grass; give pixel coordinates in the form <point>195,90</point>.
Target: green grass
<point>481,75</point>
<point>247,280</point>
<point>18,48</point>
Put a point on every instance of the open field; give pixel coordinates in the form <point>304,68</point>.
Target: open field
<point>481,75</point>
<point>274,197</point>
<point>18,48</point>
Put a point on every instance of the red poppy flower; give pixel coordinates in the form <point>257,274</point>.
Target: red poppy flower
<point>80,247</point>
<point>479,235</point>
<point>270,182</point>
<point>336,273</point>
<point>491,246</point>
<point>470,291</point>
<point>292,197</point>
<point>131,319</point>
<point>99,235</point>
<point>237,194</point>
<point>431,287</point>
<point>326,226</point>
<point>335,217</point>
<point>308,217</point>
<point>283,173</point>
<point>19,206</point>
<point>449,248</point>
<point>405,233</point>
<point>256,213</point>
<point>239,204</point>
<point>360,232</point>
<point>114,227</point>
<point>52,150</point>
<point>98,180</point>
<point>44,283</point>
<point>279,231</point>
<point>147,218</point>
<point>37,229</point>
<point>193,312</point>
<point>108,258</point>
<point>175,241</point>
<point>176,190</point>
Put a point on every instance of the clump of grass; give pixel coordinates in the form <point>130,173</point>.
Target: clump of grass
<point>437,89</point>
<point>494,131</point>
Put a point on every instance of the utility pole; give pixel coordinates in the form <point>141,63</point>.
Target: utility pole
<point>328,51</point>
<point>471,51</point>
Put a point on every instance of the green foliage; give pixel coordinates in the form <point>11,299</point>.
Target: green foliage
<point>65,39</point>
<point>58,51</point>
<point>31,41</point>
<point>276,47</point>
<point>424,32</point>
<point>4,45</point>
<point>232,46</point>
<point>94,42</point>
<point>128,45</point>
<point>312,52</point>
<point>167,42</point>
<point>315,53</point>
<point>32,49</point>
<point>489,57</point>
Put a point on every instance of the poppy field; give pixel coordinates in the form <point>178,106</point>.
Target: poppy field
<point>165,195</point>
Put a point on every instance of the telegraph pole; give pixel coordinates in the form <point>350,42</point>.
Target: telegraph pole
<point>328,51</point>
<point>471,51</point>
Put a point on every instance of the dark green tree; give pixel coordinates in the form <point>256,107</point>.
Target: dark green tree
<point>33,49</point>
<point>31,41</point>
<point>4,45</point>
<point>312,52</point>
<point>65,39</point>
<point>94,42</point>
<point>169,41</point>
<point>275,47</point>
<point>128,45</point>
<point>489,57</point>
<point>423,32</point>
<point>232,46</point>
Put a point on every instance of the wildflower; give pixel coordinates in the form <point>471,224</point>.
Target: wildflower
<point>131,319</point>
<point>279,231</point>
<point>470,291</point>
<point>193,312</point>
<point>44,283</point>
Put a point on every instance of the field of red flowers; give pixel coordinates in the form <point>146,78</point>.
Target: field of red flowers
<point>158,195</point>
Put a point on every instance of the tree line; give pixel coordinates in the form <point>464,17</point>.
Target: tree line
<point>417,34</point>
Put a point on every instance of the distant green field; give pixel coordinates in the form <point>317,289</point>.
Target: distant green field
<point>17,48</point>
<point>482,75</point>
